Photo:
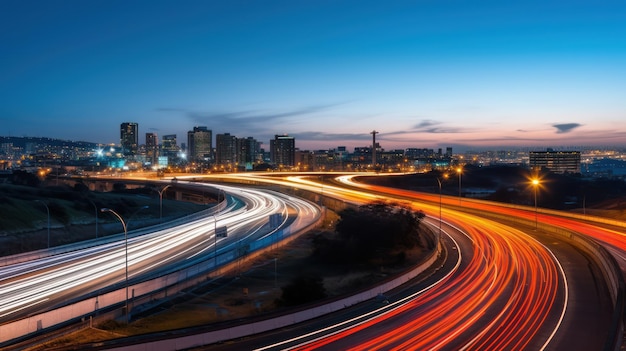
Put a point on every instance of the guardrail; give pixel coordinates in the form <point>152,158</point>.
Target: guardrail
<point>609,267</point>
<point>92,304</point>
<point>613,277</point>
<point>57,250</point>
<point>165,340</point>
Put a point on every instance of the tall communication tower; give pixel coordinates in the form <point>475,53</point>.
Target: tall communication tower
<point>374,147</point>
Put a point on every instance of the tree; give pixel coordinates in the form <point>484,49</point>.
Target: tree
<point>20,177</point>
<point>372,230</point>
<point>304,288</point>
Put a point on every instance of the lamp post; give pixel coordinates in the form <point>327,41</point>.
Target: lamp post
<point>161,201</point>
<point>215,227</point>
<point>439,237</point>
<point>215,236</point>
<point>321,190</point>
<point>124,225</point>
<point>48,211</point>
<point>535,185</point>
<point>459,170</point>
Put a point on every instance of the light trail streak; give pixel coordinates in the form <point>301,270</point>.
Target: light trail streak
<point>500,300</point>
<point>369,316</point>
<point>26,284</point>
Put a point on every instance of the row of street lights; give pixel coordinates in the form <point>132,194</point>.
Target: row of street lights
<point>96,210</point>
<point>124,226</point>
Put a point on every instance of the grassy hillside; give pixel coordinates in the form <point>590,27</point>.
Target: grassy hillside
<point>24,217</point>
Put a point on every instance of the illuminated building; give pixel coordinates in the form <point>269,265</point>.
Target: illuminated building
<point>169,147</point>
<point>200,144</point>
<point>555,161</point>
<point>152,147</point>
<point>129,138</point>
<point>225,149</point>
<point>283,150</point>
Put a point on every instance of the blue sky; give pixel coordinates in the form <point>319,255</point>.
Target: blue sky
<point>427,74</point>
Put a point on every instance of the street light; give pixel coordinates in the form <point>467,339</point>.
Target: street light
<point>321,191</point>
<point>47,210</point>
<point>124,225</point>
<point>445,176</point>
<point>161,201</point>
<point>535,182</point>
<point>215,226</point>
<point>459,170</point>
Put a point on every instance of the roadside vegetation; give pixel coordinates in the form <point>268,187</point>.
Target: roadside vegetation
<point>25,200</point>
<point>370,238</point>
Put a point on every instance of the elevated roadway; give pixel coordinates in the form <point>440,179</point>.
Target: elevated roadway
<point>48,282</point>
<point>511,291</point>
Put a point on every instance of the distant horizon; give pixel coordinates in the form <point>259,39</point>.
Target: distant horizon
<point>456,148</point>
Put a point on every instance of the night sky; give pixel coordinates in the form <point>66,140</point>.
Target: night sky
<point>426,74</point>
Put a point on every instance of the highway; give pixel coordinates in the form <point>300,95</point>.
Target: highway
<point>509,292</point>
<point>38,285</point>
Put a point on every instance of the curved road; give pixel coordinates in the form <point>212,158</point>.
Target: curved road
<point>38,285</point>
<point>510,292</point>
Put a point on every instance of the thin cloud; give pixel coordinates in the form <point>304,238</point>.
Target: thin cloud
<point>433,127</point>
<point>262,124</point>
<point>247,120</point>
<point>426,123</point>
<point>565,127</point>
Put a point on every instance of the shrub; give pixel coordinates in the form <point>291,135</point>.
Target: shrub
<point>304,288</point>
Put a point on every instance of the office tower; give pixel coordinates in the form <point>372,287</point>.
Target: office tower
<point>448,152</point>
<point>169,146</point>
<point>225,149</point>
<point>129,138</point>
<point>283,150</point>
<point>152,147</point>
<point>247,152</point>
<point>555,161</point>
<point>200,144</point>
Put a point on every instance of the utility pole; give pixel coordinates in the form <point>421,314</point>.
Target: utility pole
<point>374,148</point>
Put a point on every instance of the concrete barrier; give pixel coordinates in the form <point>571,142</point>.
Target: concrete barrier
<point>243,330</point>
<point>146,291</point>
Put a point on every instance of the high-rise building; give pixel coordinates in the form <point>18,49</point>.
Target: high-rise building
<point>152,147</point>
<point>225,149</point>
<point>200,144</point>
<point>555,161</point>
<point>283,150</point>
<point>169,147</point>
<point>129,138</point>
<point>247,152</point>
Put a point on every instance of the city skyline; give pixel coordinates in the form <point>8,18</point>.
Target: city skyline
<point>423,74</point>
